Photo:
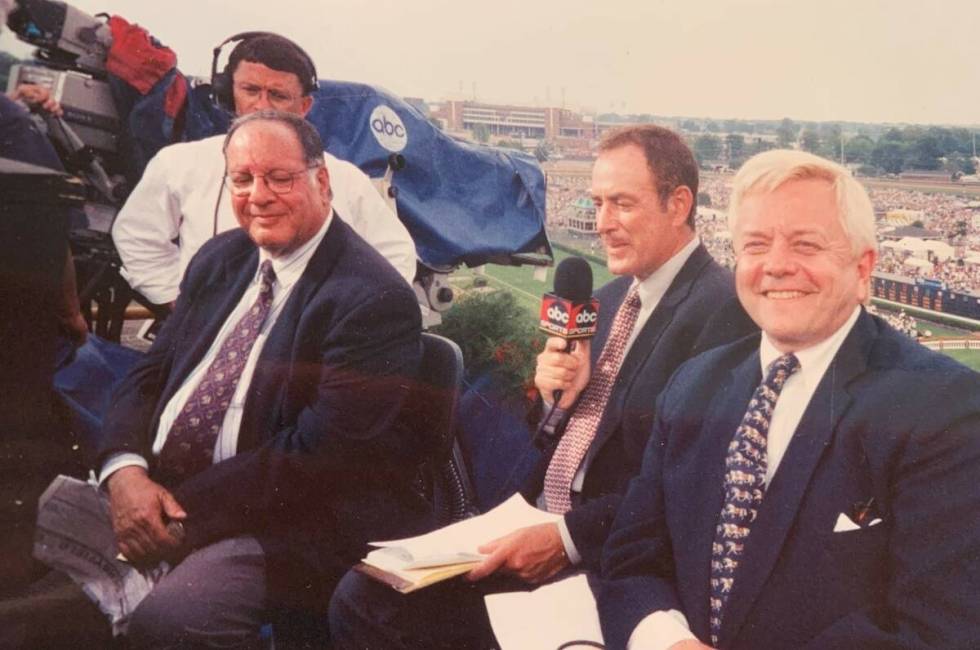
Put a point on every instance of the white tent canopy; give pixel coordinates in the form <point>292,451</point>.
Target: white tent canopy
<point>917,262</point>
<point>921,248</point>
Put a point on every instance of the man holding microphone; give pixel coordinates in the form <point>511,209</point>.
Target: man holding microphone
<point>672,302</point>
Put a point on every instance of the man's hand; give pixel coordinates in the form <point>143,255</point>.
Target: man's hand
<point>74,327</point>
<point>38,98</point>
<point>140,510</point>
<point>534,554</point>
<point>560,370</point>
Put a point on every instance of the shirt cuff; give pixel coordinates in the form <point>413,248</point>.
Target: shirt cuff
<point>566,539</point>
<point>160,292</point>
<point>118,461</point>
<point>660,630</point>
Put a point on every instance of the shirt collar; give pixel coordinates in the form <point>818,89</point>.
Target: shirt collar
<point>815,359</point>
<point>289,267</point>
<point>654,286</point>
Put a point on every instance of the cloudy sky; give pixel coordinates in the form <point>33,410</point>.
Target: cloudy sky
<point>859,60</point>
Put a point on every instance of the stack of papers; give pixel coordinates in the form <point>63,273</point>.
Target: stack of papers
<point>416,562</point>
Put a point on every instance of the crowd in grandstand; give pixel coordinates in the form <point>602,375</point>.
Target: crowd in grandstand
<point>949,215</point>
<point>563,190</point>
<point>713,229</point>
<point>955,274</point>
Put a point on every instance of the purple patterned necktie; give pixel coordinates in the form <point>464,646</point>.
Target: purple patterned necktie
<point>584,423</point>
<point>189,447</point>
<point>745,485</point>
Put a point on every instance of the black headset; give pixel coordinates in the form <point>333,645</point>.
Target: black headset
<point>221,82</point>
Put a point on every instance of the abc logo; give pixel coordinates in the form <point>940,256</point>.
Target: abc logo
<point>388,129</point>
<point>586,317</point>
<point>557,314</point>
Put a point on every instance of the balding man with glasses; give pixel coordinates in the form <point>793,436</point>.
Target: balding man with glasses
<point>255,446</point>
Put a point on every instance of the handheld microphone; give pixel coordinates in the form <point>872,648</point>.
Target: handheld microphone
<point>570,312</point>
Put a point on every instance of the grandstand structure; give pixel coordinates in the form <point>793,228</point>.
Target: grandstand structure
<point>580,217</point>
<point>900,292</point>
<point>575,134</point>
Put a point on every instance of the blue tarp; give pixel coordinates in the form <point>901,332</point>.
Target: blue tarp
<point>85,379</point>
<point>462,203</point>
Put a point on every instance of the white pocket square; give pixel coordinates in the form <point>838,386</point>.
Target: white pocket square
<point>845,523</point>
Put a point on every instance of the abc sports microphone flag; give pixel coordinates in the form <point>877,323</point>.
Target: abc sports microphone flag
<point>570,312</point>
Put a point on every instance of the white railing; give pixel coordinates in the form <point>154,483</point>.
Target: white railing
<point>952,344</point>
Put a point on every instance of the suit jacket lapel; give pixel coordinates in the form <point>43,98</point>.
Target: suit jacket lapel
<point>212,305</point>
<point>783,497</point>
<point>609,305</point>
<point>646,341</point>
<point>266,398</point>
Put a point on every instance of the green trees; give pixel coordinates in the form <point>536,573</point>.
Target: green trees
<point>889,155</point>
<point>810,140</point>
<point>494,334</point>
<point>831,139</point>
<point>859,149</point>
<point>760,145</point>
<point>786,132</point>
<point>735,144</point>
<point>707,147</point>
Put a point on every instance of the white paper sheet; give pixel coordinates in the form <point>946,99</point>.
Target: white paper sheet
<point>545,618</point>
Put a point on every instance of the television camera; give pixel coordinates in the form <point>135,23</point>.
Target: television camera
<point>72,47</point>
<point>70,63</point>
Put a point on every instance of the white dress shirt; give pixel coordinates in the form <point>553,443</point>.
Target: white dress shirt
<point>662,629</point>
<point>651,291</point>
<point>288,269</point>
<point>172,211</point>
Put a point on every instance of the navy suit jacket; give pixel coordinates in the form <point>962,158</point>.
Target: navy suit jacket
<point>698,312</point>
<point>890,420</point>
<point>322,465</point>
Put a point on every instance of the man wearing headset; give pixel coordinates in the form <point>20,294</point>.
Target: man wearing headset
<point>180,202</point>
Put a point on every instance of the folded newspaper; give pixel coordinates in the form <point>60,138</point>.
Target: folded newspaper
<point>74,535</point>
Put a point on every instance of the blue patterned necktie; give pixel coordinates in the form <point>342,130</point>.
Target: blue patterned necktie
<point>745,485</point>
<point>190,444</point>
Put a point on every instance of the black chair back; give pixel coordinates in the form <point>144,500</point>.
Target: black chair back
<point>432,405</point>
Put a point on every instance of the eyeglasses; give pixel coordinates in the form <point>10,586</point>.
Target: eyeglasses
<point>279,181</point>
<point>275,96</point>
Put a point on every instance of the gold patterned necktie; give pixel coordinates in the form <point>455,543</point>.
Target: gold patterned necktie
<point>584,423</point>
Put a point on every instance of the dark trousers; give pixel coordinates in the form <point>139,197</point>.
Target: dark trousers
<point>54,614</point>
<point>215,598</point>
<point>368,615</point>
